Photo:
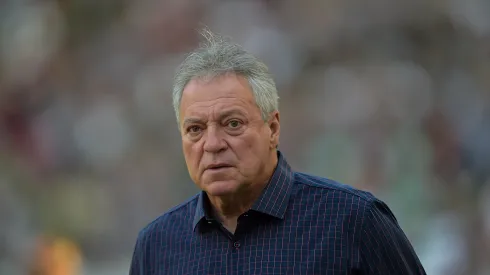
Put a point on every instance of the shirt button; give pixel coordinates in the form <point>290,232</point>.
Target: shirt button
<point>236,244</point>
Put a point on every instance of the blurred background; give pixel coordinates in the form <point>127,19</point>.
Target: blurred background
<point>390,96</point>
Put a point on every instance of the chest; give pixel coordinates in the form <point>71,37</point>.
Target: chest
<point>300,246</point>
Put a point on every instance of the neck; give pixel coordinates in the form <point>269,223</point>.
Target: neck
<point>234,205</point>
<point>228,208</point>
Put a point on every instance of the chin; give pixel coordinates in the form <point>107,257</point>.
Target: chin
<point>221,188</point>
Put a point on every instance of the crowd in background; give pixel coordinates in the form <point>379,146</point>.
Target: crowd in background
<point>389,96</point>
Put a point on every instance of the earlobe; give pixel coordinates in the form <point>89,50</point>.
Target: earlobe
<point>275,127</point>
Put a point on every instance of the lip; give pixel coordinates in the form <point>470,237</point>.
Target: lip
<point>217,166</point>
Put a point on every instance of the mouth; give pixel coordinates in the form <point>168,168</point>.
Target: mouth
<point>217,167</point>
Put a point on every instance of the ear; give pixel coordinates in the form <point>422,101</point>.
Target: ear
<point>275,127</point>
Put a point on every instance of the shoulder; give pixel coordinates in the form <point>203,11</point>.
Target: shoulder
<point>349,198</point>
<point>339,190</point>
<point>178,216</point>
<point>373,212</point>
<point>368,205</point>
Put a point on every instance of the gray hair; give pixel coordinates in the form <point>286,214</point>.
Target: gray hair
<point>218,56</point>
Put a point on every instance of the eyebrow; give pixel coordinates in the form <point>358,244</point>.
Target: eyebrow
<point>192,121</point>
<point>226,113</point>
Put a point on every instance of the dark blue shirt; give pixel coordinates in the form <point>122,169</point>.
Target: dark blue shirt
<point>301,224</point>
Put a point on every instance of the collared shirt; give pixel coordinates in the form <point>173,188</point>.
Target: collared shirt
<point>301,224</point>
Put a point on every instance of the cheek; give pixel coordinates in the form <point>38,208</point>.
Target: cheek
<point>257,143</point>
<point>250,150</point>
<point>243,145</point>
<point>192,156</point>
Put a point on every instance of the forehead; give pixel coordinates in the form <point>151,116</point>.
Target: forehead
<point>230,91</point>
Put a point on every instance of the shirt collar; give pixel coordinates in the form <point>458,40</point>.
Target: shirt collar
<point>273,201</point>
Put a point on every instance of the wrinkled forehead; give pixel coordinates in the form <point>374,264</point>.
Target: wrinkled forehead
<point>211,87</point>
<point>217,95</point>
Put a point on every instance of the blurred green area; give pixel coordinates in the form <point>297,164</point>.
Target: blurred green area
<point>392,97</point>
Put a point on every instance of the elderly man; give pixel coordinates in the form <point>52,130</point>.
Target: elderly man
<point>255,215</point>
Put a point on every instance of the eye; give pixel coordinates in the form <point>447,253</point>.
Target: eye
<point>194,129</point>
<point>234,124</point>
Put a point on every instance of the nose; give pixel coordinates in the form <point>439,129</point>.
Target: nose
<point>214,142</point>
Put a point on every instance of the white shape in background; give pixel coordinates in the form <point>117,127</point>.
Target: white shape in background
<point>466,109</point>
<point>102,134</point>
<point>277,51</point>
<point>444,250</point>
<point>237,18</point>
<point>250,25</point>
<point>354,94</point>
<point>30,35</point>
<point>472,14</point>
<point>153,91</point>
<point>349,101</point>
<point>407,90</point>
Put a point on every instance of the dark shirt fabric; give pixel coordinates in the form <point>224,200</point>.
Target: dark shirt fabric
<point>301,224</point>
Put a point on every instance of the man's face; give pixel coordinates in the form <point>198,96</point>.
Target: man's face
<point>226,143</point>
